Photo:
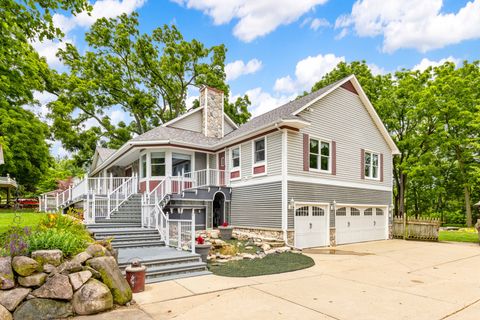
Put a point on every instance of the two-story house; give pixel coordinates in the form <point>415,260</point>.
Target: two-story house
<point>316,171</point>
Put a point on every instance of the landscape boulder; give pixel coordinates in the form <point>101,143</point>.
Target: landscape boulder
<point>53,257</point>
<point>82,257</point>
<point>93,297</point>
<point>79,278</point>
<point>69,267</point>
<point>49,268</point>
<point>97,250</point>
<point>43,309</point>
<point>10,299</point>
<point>56,287</point>
<point>24,266</point>
<point>7,279</point>
<point>34,280</point>
<point>5,314</point>
<point>113,278</point>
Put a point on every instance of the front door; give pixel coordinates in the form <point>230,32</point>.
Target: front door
<point>221,168</point>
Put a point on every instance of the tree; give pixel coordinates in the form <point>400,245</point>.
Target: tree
<point>61,169</point>
<point>146,76</point>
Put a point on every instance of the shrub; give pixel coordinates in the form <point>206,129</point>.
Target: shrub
<point>14,241</point>
<point>68,242</point>
<point>61,222</point>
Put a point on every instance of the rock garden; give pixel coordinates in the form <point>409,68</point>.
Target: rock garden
<point>44,275</point>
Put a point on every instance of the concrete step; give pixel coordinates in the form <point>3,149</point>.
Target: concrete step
<point>160,273</point>
<point>119,220</point>
<point>176,276</point>
<point>107,232</point>
<point>161,262</point>
<point>113,225</point>
<point>131,237</point>
<point>138,244</point>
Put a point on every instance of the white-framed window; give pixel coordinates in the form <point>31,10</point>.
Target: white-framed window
<point>143,166</point>
<point>157,164</point>
<point>320,154</point>
<point>372,165</point>
<point>259,150</point>
<point>235,156</point>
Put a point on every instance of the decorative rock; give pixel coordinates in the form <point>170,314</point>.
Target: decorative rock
<point>283,249</point>
<point>248,256</point>
<point>4,314</point>
<point>97,250</point>
<point>36,309</point>
<point>48,268</point>
<point>93,297</point>
<point>78,279</point>
<point>69,267</point>
<point>35,280</point>
<point>10,299</point>
<point>82,257</point>
<point>95,273</point>
<point>113,278</point>
<point>271,251</point>
<point>30,296</point>
<point>266,247</point>
<point>53,257</point>
<point>57,287</point>
<point>24,266</point>
<point>7,280</point>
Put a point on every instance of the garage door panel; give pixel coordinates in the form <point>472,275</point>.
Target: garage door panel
<point>311,226</point>
<point>358,224</point>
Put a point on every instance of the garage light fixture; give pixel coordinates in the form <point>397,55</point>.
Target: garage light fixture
<point>333,206</point>
<point>291,204</point>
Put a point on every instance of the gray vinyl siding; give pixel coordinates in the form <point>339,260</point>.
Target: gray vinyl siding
<point>227,128</point>
<point>341,117</point>
<point>212,160</point>
<point>257,206</point>
<point>200,161</point>
<point>193,122</point>
<point>309,192</point>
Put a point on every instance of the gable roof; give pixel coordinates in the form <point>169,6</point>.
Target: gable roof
<point>105,153</point>
<point>193,111</point>
<point>174,135</point>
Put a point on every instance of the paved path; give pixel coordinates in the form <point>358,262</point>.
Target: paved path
<point>378,280</point>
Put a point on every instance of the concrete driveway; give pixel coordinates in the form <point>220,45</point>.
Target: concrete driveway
<point>392,279</point>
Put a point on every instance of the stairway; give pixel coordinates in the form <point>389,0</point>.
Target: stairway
<point>145,244</point>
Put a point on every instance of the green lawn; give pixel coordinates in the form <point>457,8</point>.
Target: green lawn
<point>27,219</point>
<point>271,264</point>
<point>462,235</point>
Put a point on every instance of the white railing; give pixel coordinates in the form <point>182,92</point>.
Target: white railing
<point>208,177</point>
<point>96,206</point>
<point>104,185</point>
<point>181,233</point>
<point>121,194</point>
<point>152,199</point>
<point>9,181</point>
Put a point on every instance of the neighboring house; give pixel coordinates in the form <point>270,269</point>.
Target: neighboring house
<point>316,171</point>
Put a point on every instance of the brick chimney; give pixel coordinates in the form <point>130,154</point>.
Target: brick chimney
<point>211,100</point>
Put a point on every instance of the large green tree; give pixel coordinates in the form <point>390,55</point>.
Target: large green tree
<point>145,75</point>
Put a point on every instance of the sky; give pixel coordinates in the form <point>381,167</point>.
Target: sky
<point>279,48</point>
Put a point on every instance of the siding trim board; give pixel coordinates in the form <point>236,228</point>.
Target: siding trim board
<point>334,157</point>
<point>306,152</point>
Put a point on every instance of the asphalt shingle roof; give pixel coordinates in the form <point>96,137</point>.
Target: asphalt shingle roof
<point>176,135</point>
<point>104,153</point>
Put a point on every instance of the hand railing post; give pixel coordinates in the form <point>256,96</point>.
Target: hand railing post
<point>94,207</point>
<point>167,231</point>
<point>193,231</point>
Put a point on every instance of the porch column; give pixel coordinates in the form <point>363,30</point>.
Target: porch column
<point>148,171</point>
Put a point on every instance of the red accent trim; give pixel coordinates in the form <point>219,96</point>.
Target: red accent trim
<point>349,86</point>
<point>334,158</point>
<point>153,184</point>
<point>306,152</point>
<point>259,169</point>
<point>381,167</point>
<point>234,174</point>
<point>362,163</point>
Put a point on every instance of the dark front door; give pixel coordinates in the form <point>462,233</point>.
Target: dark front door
<point>221,168</point>
<point>218,209</point>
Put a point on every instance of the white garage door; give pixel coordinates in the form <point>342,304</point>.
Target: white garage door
<point>311,226</point>
<point>358,224</point>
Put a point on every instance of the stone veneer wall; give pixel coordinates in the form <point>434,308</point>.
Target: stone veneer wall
<point>267,233</point>
<point>212,115</point>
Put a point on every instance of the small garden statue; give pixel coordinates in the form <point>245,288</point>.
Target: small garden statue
<point>202,249</point>
<point>477,226</point>
<point>225,231</point>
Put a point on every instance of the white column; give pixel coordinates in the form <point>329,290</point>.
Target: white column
<point>284,183</point>
<point>148,171</point>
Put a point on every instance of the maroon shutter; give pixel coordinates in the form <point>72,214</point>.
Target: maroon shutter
<point>334,158</point>
<point>306,152</point>
<point>362,163</point>
<point>381,167</point>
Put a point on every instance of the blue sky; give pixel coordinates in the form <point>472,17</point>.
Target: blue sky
<point>278,48</point>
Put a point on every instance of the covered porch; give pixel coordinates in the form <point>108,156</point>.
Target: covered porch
<point>7,184</point>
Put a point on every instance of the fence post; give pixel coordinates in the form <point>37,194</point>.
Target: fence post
<point>193,231</point>
<point>93,207</point>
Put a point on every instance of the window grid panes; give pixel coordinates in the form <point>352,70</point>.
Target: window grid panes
<point>368,212</point>
<point>319,155</point>
<point>143,172</point>
<point>354,212</point>
<point>259,150</point>
<point>158,164</point>
<point>318,212</point>
<point>341,212</point>
<point>236,158</point>
<point>378,212</point>
<point>301,212</point>
<point>371,165</point>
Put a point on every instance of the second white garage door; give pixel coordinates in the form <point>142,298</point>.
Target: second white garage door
<point>311,225</point>
<point>358,223</point>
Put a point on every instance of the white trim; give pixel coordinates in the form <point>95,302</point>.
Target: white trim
<point>263,179</point>
<point>380,167</point>
<point>320,140</point>
<point>368,105</point>
<point>231,122</point>
<point>205,112</point>
<point>285,184</point>
<point>332,182</point>
<point>223,115</point>
<point>183,116</point>
<point>230,160</point>
<point>362,206</point>
<point>261,163</point>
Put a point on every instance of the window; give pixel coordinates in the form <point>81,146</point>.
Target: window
<point>368,212</point>
<point>158,164</point>
<point>259,150</point>
<point>371,165</point>
<point>301,212</point>
<point>235,158</point>
<point>319,155</point>
<point>378,212</point>
<point>318,212</point>
<point>341,211</point>
<point>354,212</point>
<point>143,166</point>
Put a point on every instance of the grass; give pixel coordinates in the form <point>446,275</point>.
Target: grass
<point>461,235</point>
<point>271,264</point>
<point>27,219</point>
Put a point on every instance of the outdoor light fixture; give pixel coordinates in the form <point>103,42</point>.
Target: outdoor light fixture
<point>333,206</point>
<point>291,204</point>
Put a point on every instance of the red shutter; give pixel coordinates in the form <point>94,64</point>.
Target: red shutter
<point>306,152</point>
<point>381,167</point>
<point>334,158</point>
<point>362,163</point>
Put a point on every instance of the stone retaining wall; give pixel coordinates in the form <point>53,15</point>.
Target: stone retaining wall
<point>45,286</point>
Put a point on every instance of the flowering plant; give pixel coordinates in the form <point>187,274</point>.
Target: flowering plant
<point>200,240</point>
<point>225,224</point>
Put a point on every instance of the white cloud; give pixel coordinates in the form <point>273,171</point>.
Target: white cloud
<point>412,24</point>
<point>376,70</point>
<point>318,23</point>
<point>189,101</point>
<point>263,101</point>
<point>255,18</point>
<point>425,63</point>
<point>49,49</point>
<point>238,68</point>
<point>307,72</point>
<point>57,149</point>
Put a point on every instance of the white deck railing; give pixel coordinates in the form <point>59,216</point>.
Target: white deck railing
<point>121,194</point>
<point>208,177</point>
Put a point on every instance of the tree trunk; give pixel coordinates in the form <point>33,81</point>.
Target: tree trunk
<point>468,206</point>
<point>401,194</point>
